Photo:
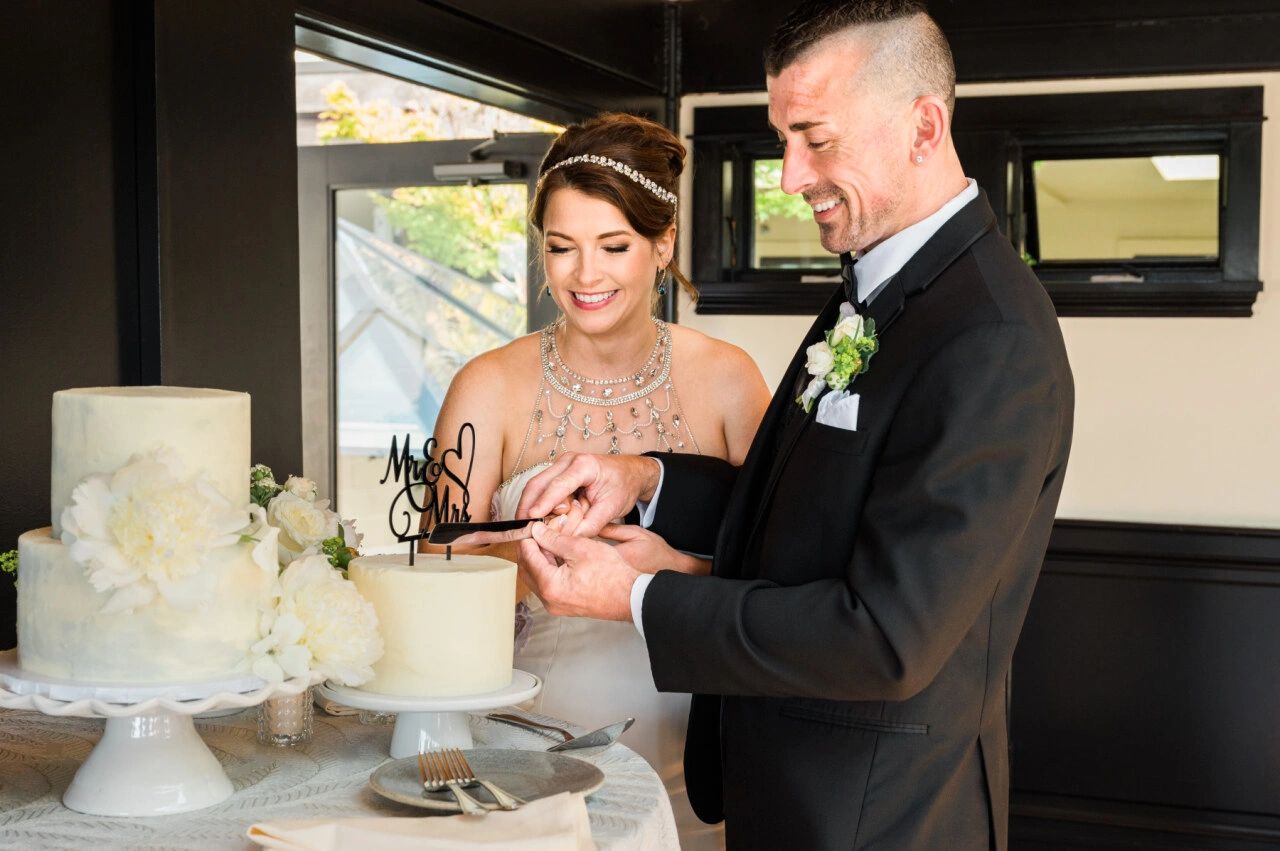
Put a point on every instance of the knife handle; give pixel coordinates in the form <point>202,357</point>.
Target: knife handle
<point>517,721</point>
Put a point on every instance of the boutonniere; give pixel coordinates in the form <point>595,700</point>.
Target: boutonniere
<point>846,352</point>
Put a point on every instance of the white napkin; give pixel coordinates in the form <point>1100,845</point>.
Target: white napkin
<point>558,823</point>
<point>839,410</point>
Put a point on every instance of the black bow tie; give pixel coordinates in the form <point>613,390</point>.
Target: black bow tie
<point>847,262</point>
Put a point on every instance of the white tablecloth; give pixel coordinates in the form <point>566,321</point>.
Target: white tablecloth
<point>325,778</point>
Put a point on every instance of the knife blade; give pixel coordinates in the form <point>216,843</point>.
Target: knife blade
<point>444,534</point>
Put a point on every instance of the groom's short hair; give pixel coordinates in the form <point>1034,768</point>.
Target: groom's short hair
<point>909,49</point>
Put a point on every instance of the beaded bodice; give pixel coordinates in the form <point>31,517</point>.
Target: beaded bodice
<point>636,413</point>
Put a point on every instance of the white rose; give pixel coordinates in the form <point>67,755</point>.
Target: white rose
<point>820,359</point>
<point>322,624</point>
<point>848,326</point>
<point>303,525</point>
<point>300,487</point>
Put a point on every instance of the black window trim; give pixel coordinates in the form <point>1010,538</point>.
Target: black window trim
<point>998,136</point>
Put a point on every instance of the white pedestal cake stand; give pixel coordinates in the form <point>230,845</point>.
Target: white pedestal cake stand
<point>150,760</point>
<point>423,723</point>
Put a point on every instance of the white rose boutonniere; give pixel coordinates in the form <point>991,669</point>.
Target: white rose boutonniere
<point>320,623</point>
<point>844,354</point>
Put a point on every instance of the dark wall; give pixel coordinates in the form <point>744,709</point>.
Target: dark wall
<point>228,211</point>
<point>998,40</point>
<point>150,227</point>
<point>1145,692</point>
<point>66,238</point>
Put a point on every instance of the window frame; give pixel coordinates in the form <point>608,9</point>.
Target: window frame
<point>997,137</point>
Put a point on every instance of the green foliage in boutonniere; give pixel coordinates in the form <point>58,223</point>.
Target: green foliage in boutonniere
<point>9,564</point>
<point>845,353</point>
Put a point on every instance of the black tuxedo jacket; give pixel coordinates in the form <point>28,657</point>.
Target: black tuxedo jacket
<point>848,654</point>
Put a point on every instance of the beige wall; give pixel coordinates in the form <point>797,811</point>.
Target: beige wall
<point>1177,420</point>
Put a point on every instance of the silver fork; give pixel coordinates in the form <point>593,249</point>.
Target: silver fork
<point>464,774</point>
<point>435,774</point>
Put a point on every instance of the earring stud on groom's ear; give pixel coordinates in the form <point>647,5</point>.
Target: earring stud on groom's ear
<point>919,158</point>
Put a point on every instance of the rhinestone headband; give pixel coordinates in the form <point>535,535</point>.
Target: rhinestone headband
<point>621,168</point>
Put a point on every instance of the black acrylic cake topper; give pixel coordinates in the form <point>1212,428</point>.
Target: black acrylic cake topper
<point>436,478</point>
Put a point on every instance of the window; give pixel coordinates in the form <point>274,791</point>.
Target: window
<point>407,271</point>
<point>1161,209</point>
<point>1124,203</point>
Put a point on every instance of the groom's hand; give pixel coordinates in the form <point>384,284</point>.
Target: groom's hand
<point>577,577</point>
<point>610,485</point>
<point>648,552</point>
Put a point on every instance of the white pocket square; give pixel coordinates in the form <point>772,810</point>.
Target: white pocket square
<point>839,410</point>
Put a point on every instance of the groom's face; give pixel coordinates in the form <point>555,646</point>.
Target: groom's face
<point>847,149</point>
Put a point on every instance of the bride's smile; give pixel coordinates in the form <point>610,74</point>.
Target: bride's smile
<point>600,271</point>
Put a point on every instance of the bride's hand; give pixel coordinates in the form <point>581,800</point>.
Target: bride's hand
<point>649,553</point>
<point>608,484</point>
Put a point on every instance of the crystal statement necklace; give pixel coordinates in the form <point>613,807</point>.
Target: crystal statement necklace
<point>628,405</point>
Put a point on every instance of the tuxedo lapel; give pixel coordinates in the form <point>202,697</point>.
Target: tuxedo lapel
<point>786,421</point>
<point>742,510</point>
<point>970,223</point>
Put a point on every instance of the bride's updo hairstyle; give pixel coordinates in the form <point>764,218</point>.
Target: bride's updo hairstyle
<point>651,151</point>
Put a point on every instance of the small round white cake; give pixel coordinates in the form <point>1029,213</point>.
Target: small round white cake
<point>448,625</point>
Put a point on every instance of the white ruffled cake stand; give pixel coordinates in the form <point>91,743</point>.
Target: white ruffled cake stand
<point>423,723</point>
<point>150,760</point>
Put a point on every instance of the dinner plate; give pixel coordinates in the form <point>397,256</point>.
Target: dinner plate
<point>525,774</point>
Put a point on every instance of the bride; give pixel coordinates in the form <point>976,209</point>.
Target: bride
<point>606,377</point>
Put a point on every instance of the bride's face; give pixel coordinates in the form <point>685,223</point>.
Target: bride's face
<point>601,272</point>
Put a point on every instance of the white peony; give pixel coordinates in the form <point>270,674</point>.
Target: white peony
<point>350,535</point>
<point>302,488</point>
<point>266,552</point>
<point>146,529</point>
<point>848,326</point>
<point>820,359</point>
<point>322,624</point>
<point>303,525</point>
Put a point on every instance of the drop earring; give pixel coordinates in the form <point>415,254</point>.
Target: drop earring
<point>663,274</point>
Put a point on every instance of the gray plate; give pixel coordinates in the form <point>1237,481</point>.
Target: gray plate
<point>525,774</point>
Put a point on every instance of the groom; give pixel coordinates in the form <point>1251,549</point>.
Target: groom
<point>874,556</point>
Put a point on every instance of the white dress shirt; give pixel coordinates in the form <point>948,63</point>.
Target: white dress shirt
<point>872,271</point>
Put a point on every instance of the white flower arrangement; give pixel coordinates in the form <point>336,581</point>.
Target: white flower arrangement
<point>841,356</point>
<point>305,524</point>
<point>319,623</point>
<point>146,529</point>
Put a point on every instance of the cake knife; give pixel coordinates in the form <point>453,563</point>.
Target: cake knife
<point>494,532</point>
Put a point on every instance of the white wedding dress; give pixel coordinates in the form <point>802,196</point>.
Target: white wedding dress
<point>597,672</point>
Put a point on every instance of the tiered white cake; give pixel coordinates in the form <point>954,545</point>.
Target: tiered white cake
<point>62,630</point>
<point>447,626</point>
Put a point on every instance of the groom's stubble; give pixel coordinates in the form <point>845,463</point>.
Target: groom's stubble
<point>870,111</point>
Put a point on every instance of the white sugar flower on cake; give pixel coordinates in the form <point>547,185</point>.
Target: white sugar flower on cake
<point>320,623</point>
<point>146,530</point>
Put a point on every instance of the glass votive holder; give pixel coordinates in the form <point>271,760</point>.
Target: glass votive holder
<point>286,720</point>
